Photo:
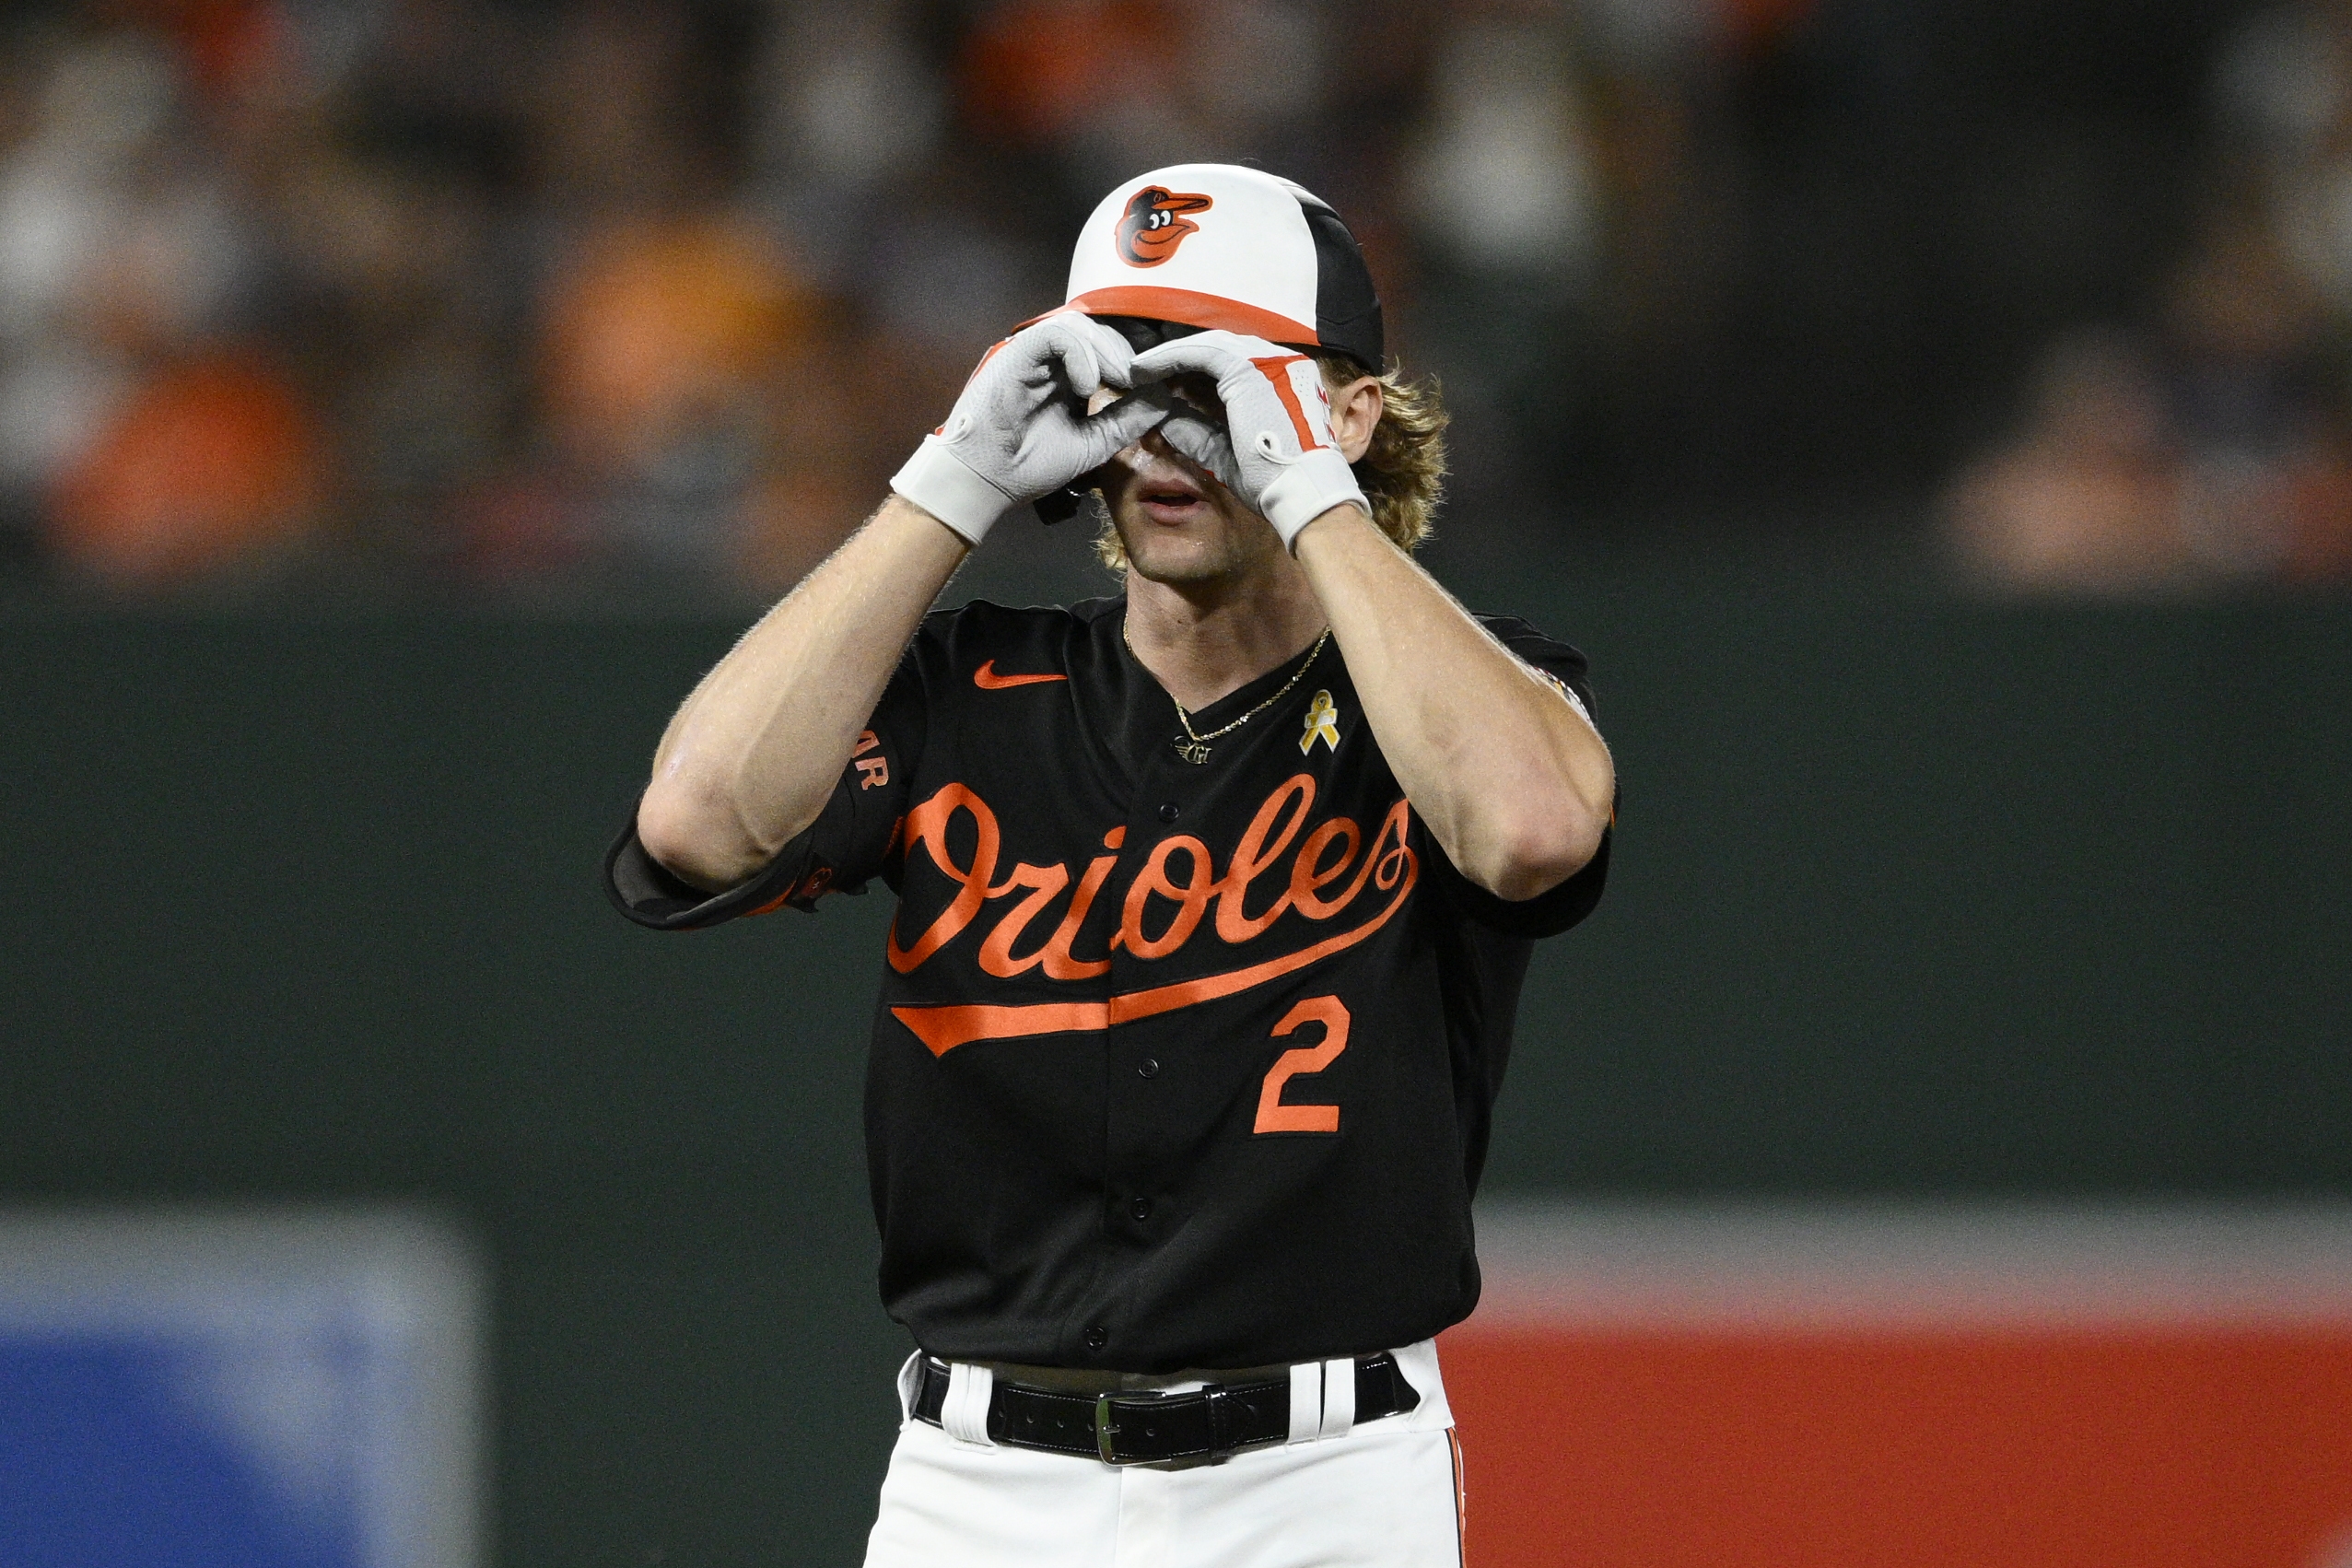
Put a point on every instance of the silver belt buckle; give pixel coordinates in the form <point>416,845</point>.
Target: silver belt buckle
<point>1105,1429</point>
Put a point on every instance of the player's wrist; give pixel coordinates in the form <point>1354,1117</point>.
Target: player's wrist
<point>1329,525</point>
<point>950,489</point>
<point>1314,484</point>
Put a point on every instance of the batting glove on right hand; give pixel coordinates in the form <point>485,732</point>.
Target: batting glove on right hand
<point>1020,430</point>
<point>1279,456</point>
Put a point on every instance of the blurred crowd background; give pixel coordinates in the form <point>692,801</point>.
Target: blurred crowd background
<point>450,298</point>
<point>1832,369</point>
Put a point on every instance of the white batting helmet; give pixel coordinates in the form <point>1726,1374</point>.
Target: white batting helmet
<point>1214,245</point>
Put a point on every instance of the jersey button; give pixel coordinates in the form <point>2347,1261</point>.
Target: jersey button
<point>1098,1337</point>
<point>1149,1068</point>
<point>1169,812</point>
<point>1141,1209</point>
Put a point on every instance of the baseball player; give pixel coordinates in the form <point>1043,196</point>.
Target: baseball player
<point>1214,901</point>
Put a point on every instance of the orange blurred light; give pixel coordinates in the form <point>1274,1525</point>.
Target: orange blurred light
<point>655,322</point>
<point>214,461</point>
<point>1032,70</point>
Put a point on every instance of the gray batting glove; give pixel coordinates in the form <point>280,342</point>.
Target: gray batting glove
<point>1201,437</point>
<point>1278,424</point>
<point>1020,430</point>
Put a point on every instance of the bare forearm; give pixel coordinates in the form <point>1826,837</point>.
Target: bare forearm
<point>1510,779</point>
<point>750,756</point>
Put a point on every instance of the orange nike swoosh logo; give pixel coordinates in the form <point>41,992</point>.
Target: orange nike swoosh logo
<point>987,679</point>
<point>944,1028</point>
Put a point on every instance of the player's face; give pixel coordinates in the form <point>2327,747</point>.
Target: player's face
<point>1178,523</point>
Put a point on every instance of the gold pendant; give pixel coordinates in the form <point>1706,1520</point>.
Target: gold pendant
<point>1193,752</point>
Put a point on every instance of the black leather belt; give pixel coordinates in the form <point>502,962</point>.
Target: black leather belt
<point>1212,1422</point>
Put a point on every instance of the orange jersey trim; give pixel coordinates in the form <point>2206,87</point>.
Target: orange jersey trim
<point>944,1028</point>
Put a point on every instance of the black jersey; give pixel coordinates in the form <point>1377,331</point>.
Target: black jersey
<point>1176,1065</point>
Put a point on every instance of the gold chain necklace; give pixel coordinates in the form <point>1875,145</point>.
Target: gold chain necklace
<point>1194,747</point>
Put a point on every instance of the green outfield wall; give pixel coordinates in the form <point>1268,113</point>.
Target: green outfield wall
<point>1910,895</point>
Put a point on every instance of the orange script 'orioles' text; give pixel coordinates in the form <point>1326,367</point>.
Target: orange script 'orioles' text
<point>1177,889</point>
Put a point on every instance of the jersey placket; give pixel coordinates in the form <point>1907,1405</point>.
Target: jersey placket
<point>1154,1065</point>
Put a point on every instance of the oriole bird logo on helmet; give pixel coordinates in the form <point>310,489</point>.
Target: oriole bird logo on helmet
<point>1154,224</point>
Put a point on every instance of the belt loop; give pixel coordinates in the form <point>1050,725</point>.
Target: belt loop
<point>1220,1422</point>
<point>1338,1398</point>
<point>911,1387</point>
<point>1417,1369</point>
<point>1307,1401</point>
<point>963,1414</point>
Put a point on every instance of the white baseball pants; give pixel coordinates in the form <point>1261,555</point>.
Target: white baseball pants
<point>1385,1494</point>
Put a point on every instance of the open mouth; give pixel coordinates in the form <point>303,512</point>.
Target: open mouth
<point>1169,497</point>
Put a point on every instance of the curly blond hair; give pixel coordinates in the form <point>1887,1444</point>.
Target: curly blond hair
<point>1402,472</point>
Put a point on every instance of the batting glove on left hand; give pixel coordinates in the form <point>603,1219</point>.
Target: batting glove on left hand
<point>1020,430</point>
<point>1277,454</point>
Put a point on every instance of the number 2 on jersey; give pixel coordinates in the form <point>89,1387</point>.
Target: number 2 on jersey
<point>1273,1115</point>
